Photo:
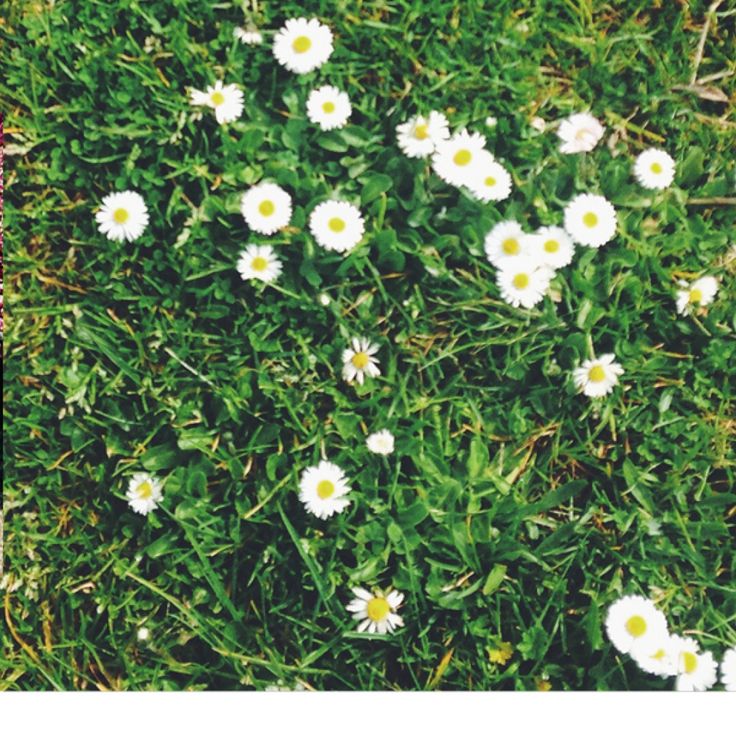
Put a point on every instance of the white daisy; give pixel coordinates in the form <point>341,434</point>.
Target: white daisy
<point>226,101</point>
<point>552,247</point>
<point>597,377</point>
<point>505,241</point>
<point>420,136</point>
<point>302,45</point>
<point>144,493</point>
<point>456,159</point>
<point>697,294</point>
<point>523,281</point>
<point>590,220</point>
<point>259,262</point>
<point>490,181</point>
<point>656,655</point>
<point>579,133</point>
<point>376,611</point>
<point>251,37</point>
<point>122,216</point>
<point>266,208</point>
<point>322,489</point>
<point>336,225</point>
<point>328,107</point>
<point>728,670</point>
<point>381,443</point>
<point>696,670</point>
<point>654,169</point>
<point>359,361</point>
<point>634,620</point>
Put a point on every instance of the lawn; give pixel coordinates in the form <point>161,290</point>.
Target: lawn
<point>514,510</point>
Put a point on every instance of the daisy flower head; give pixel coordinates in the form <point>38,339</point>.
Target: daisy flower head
<point>328,107</point>
<point>523,281</point>
<point>590,220</point>
<point>490,181</point>
<point>697,294</point>
<point>381,443</point>
<point>259,262</point>
<point>376,611</point>
<point>656,655</point>
<point>302,45</point>
<point>250,36</point>
<point>419,136</point>
<point>456,159</point>
<point>144,493</point>
<point>696,670</point>
<point>336,225</point>
<point>359,361</point>
<point>596,378</point>
<point>654,169</point>
<point>553,247</point>
<point>122,216</point>
<point>322,490</point>
<point>579,133</point>
<point>634,620</point>
<point>728,670</point>
<point>266,208</point>
<point>505,242</point>
<point>225,100</point>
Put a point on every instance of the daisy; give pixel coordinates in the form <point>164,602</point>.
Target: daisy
<point>322,489</point>
<point>328,107</point>
<point>656,655</point>
<point>455,160</point>
<point>336,225</point>
<point>597,377</point>
<point>420,136</point>
<point>579,133</point>
<point>654,169</point>
<point>359,361</point>
<point>144,493</point>
<point>302,45</point>
<point>226,101</point>
<point>505,241</point>
<point>250,37</point>
<point>376,611</point>
<point>266,208</point>
<point>259,262</point>
<point>490,181</point>
<point>122,216</point>
<point>381,443</point>
<point>696,670</point>
<point>697,294</point>
<point>523,281</point>
<point>553,247</point>
<point>728,670</point>
<point>590,220</point>
<point>634,620</point>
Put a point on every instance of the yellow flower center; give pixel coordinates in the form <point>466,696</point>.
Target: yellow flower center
<point>695,296</point>
<point>120,215</point>
<point>377,609</point>
<point>489,181</point>
<point>597,374</point>
<point>259,263</point>
<point>360,360</point>
<point>217,98</point>
<point>656,168</point>
<point>267,208</point>
<point>328,107</point>
<point>421,132</point>
<point>301,44</point>
<point>325,488</point>
<point>659,654</point>
<point>145,490</point>
<point>551,246</point>
<point>521,281</point>
<point>336,224</point>
<point>510,246</point>
<point>462,157</point>
<point>590,219</point>
<point>689,662</point>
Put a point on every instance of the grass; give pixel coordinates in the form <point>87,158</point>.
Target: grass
<point>513,509</point>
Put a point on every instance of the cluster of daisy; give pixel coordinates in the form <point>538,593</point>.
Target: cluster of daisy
<point>637,628</point>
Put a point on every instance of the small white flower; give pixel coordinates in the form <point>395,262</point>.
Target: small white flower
<point>728,670</point>
<point>523,281</point>
<point>420,136</point>
<point>381,443</point>
<point>143,634</point>
<point>654,169</point>
<point>552,247</point>
<point>122,216</point>
<point>266,208</point>
<point>490,181</point>
<point>634,620</point>
<point>656,655</point>
<point>590,220</point>
<point>226,101</point>
<point>359,361</point>
<point>697,294</point>
<point>251,37</point>
<point>456,159</point>
<point>491,121</point>
<point>259,262</point>
<point>696,670</point>
<point>302,45</point>
<point>144,493</point>
<point>324,299</point>
<point>579,133</point>
<point>328,107</point>
<point>538,124</point>
<point>336,225</point>
<point>595,378</point>
<point>322,489</point>
<point>376,611</point>
<point>504,242</point>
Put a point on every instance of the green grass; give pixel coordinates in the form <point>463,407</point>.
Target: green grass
<point>513,509</point>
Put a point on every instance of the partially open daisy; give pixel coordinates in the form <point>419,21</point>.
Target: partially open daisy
<point>654,169</point>
<point>302,45</point>
<point>696,670</point>
<point>225,100</point>
<point>328,107</point>
<point>359,361</point>
<point>376,611</point>
<point>259,262</point>
<point>381,443</point>
<point>336,225</point>
<point>322,489</point>
<point>634,620</point>
<point>697,294</point>
<point>248,36</point>
<point>656,655</point>
<point>122,216</point>
<point>579,133</point>
<point>597,377</point>
<point>590,220</point>
<point>523,281</point>
<point>505,241</point>
<point>490,181</point>
<point>553,247</point>
<point>144,493</point>
<point>728,670</point>
<point>266,208</point>
<point>456,159</point>
<point>419,136</point>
